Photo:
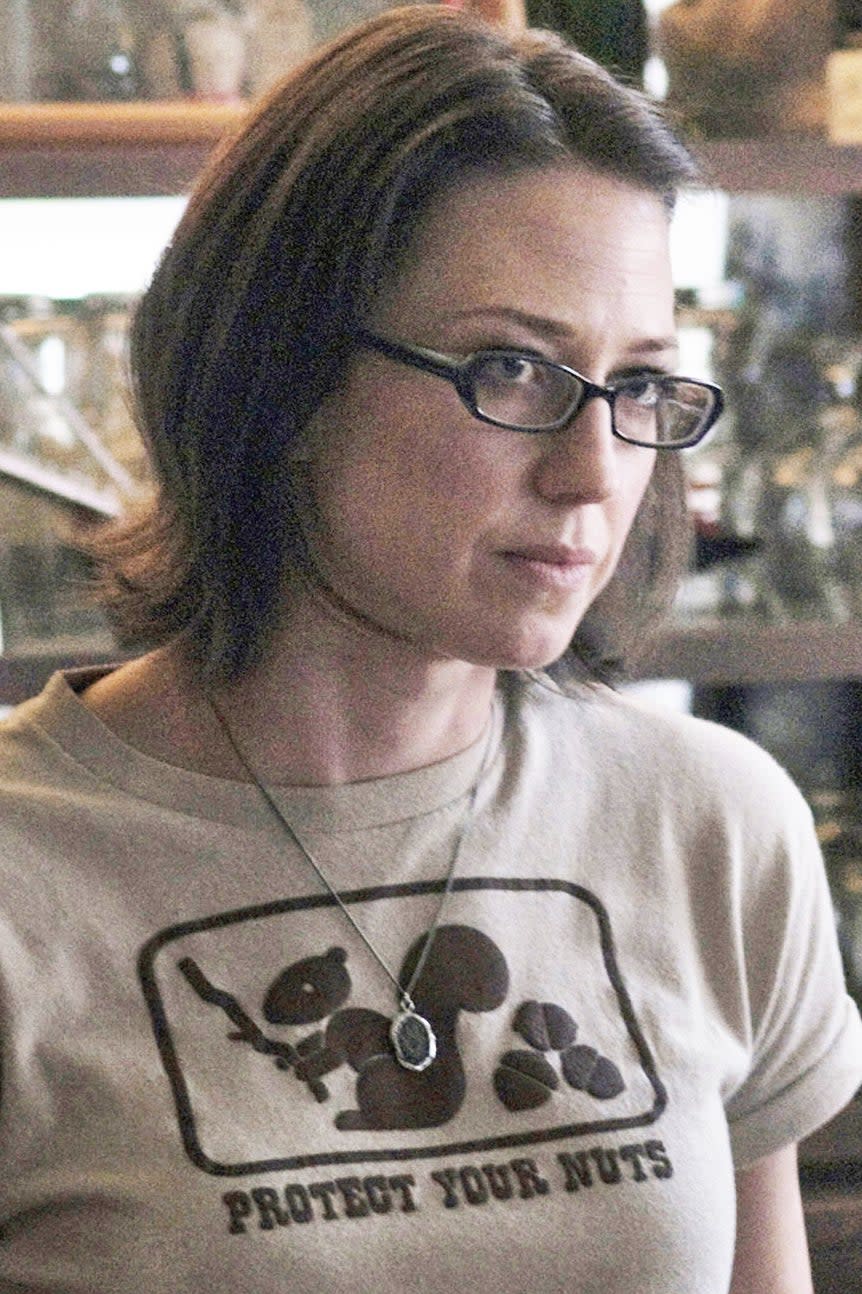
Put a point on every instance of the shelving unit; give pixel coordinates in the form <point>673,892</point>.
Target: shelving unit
<point>95,149</point>
<point>738,652</point>
<point>107,150</point>
<point>101,149</point>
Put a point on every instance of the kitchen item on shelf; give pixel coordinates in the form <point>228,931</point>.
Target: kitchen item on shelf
<point>96,378</point>
<point>844,76</point>
<point>216,51</point>
<point>794,480</point>
<point>45,439</point>
<point>714,544</point>
<point>194,49</point>
<point>511,15</point>
<point>16,50</point>
<point>849,19</point>
<point>281,34</point>
<point>96,55</point>
<point>748,67</point>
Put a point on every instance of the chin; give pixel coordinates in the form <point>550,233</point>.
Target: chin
<point>527,654</point>
<point>534,660</point>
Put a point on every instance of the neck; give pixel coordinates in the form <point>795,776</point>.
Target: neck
<point>351,710</point>
<point>346,733</point>
<point>338,699</point>
<point>335,700</point>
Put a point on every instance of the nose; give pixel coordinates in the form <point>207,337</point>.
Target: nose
<point>579,463</point>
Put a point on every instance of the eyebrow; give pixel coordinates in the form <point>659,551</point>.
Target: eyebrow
<point>553,328</point>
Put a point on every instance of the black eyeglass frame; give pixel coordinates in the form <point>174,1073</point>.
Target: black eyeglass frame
<point>460,373</point>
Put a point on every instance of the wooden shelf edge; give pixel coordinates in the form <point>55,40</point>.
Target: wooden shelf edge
<point>794,164</point>
<point>130,143</point>
<point>722,654</point>
<point>58,150</point>
<point>730,652</point>
<point>22,677</point>
<point>73,125</point>
<point>101,171</point>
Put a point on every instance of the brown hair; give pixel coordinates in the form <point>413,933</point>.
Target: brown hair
<point>287,240</point>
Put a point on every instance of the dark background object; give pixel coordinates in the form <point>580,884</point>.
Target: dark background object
<point>812,729</point>
<point>849,20</point>
<point>613,32</point>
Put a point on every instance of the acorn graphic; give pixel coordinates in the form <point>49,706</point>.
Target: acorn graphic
<point>587,1071</point>
<point>525,1079</point>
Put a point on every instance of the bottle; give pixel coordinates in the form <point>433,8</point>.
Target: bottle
<point>281,35</point>
<point>214,49</point>
<point>100,56</point>
<point>844,75</point>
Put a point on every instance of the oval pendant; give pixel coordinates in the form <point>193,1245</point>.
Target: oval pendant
<point>413,1040</point>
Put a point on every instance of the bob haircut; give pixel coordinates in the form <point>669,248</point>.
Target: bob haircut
<point>291,233</point>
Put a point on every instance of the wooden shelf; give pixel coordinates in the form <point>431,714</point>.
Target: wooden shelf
<point>831,1172</point>
<point>833,1220</point>
<point>102,149</point>
<point>794,164</point>
<point>108,149</point>
<point>23,675</point>
<point>729,652</point>
<point>725,653</point>
<point>74,125</point>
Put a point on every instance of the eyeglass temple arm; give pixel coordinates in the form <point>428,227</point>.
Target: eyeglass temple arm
<point>430,361</point>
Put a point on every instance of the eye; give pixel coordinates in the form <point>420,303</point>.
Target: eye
<point>644,390</point>
<point>509,369</point>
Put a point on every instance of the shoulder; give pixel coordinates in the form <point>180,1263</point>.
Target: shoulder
<point>614,734</point>
<point>685,788</point>
<point>44,747</point>
<point>24,742</point>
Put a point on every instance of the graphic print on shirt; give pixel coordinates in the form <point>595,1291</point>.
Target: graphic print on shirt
<point>275,1038</point>
<point>464,971</point>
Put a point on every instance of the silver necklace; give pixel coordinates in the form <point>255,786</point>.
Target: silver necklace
<point>413,1040</point>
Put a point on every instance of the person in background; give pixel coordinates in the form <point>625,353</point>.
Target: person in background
<point>358,934</point>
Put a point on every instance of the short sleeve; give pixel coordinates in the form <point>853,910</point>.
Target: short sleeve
<point>806,1059</point>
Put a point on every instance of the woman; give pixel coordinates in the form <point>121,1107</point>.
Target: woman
<point>344,948</point>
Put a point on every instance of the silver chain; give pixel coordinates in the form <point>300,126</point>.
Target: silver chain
<point>405,992</point>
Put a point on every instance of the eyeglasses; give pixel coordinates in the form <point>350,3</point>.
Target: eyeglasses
<point>522,392</point>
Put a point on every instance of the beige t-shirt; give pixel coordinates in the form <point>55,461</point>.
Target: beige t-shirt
<point>635,988</point>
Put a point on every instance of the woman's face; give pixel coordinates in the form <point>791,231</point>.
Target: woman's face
<point>472,542</point>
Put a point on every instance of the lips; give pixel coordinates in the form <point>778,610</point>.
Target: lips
<point>552,565</point>
<point>554,555</point>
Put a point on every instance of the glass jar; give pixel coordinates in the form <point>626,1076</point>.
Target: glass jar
<point>99,55</point>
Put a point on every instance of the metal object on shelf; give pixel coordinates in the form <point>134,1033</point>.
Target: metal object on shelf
<point>94,50</point>
<point>46,441</point>
<point>57,477</point>
<point>785,466</point>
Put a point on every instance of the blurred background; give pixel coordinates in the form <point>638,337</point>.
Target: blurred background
<point>108,109</point>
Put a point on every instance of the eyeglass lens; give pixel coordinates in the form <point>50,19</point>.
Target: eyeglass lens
<point>533,394</point>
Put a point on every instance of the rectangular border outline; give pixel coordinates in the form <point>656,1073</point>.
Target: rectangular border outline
<point>182,1100</point>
